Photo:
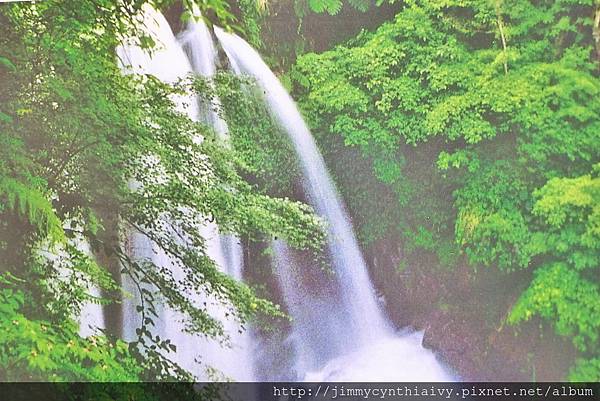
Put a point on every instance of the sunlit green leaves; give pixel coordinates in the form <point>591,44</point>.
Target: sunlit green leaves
<point>37,350</point>
<point>566,298</point>
<point>585,370</point>
<point>330,6</point>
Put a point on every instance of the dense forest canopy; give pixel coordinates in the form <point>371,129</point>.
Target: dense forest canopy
<point>482,119</point>
<point>467,130</point>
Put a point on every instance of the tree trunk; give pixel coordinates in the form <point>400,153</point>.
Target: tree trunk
<point>107,258</point>
<point>596,33</point>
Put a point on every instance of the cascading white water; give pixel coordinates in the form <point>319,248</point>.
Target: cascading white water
<point>169,63</point>
<point>198,44</point>
<point>349,328</point>
<point>347,258</point>
<point>197,41</point>
<point>90,316</point>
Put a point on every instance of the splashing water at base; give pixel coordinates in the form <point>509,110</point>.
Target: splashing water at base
<point>392,359</point>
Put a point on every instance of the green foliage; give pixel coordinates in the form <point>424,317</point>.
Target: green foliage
<point>565,289</point>
<point>38,350</point>
<point>264,150</point>
<point>585,370</point>
<point>331,7</point>
<point>570,207</point>
<point>75,133</point>
<point>221,9</point>
<point>564,297</point>
<point>491,223</point>
<point>252,13</point>
<point>33,206</point>
<point>412,80</point>
<point>495,105</point>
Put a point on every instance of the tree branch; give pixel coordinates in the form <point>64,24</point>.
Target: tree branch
<point>502,36</point>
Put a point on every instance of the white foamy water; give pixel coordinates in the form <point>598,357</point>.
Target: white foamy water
<point>400,358</point>
<point>90,316</point>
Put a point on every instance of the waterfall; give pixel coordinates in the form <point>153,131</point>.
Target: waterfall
<point>347,259</point>
<point>198,44</point>
<point>169,63</point>
<point>90,317</point>
<point>340,333</point>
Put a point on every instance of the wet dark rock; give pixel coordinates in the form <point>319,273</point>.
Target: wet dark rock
<point>463,315</point>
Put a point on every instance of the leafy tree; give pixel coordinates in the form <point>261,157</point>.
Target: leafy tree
<point>37,350</point>
<point>263,148</point>
<point>75,133</point>
<point>565,288</point>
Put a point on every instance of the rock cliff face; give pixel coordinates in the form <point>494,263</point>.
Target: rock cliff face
<point>462,313</point>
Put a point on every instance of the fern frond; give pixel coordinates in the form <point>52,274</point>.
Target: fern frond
<point>31,203</point>
<point>330,6</point>
<point>360,5</point>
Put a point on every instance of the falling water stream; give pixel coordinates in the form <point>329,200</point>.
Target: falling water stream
<point>236,362</point>
<point>350,330</point>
